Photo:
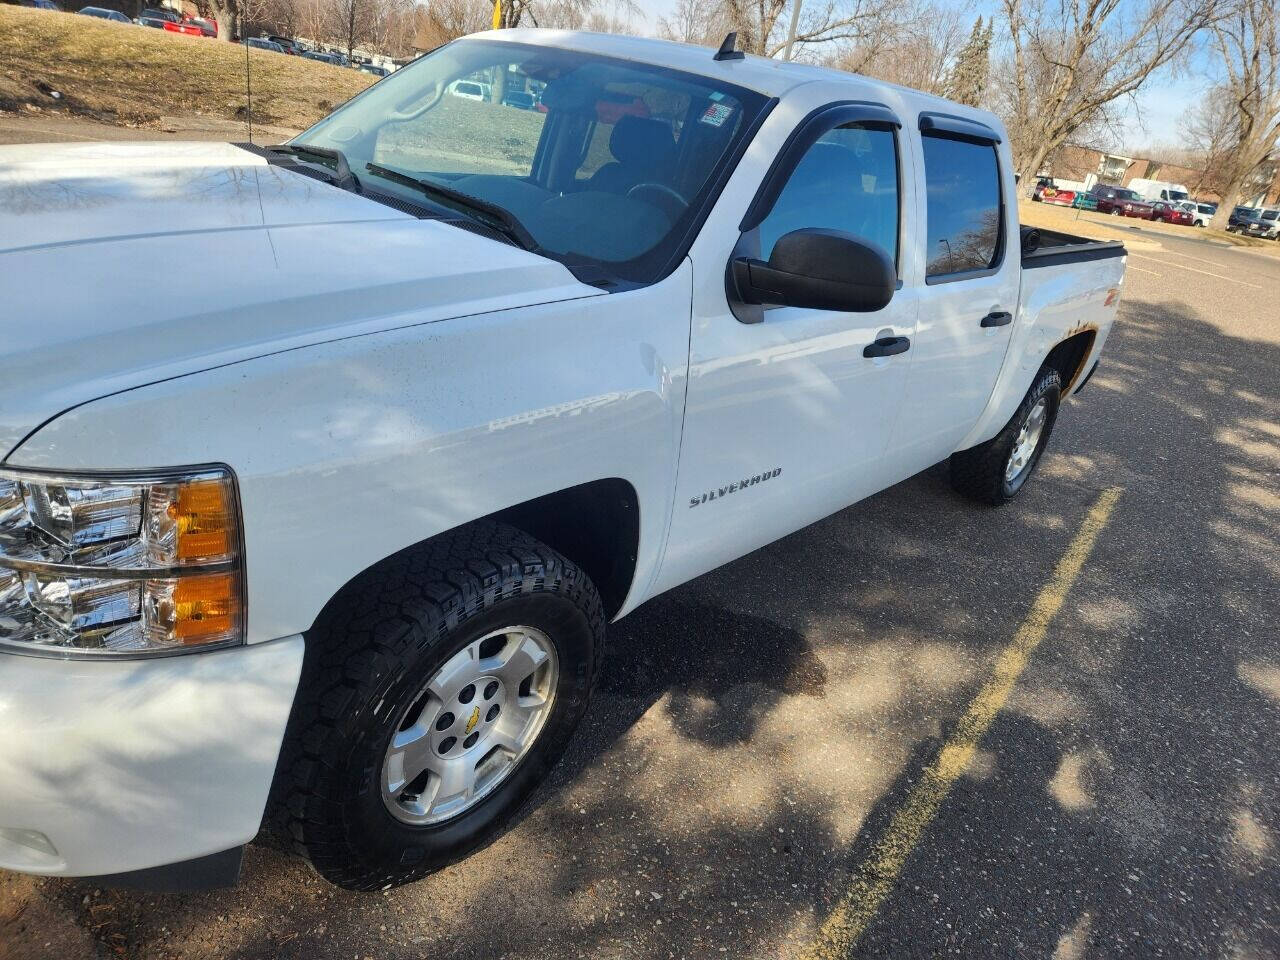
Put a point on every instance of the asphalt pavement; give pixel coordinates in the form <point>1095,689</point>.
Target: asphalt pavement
<point>768,770</point>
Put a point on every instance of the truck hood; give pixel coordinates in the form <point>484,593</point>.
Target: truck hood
<point>125,264</point>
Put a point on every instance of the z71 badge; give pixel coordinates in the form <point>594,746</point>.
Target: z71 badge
<point>735,487</point>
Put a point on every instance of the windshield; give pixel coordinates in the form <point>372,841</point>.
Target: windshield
<point>1177,195</point>
<point>1270,214</point>
<point>613,165</point>
<point>1126,195</point>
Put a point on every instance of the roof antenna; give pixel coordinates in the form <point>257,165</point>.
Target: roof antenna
<point>726,51</point>
<point>248,91</point>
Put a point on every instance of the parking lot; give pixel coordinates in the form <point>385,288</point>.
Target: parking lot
<point>918,728</point>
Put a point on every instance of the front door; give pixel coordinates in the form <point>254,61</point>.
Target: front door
<point>786,420</point>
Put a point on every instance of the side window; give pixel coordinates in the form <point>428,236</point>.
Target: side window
<point>848,180</point>
<point>962,184</point>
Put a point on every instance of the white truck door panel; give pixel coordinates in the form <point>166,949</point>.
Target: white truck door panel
<point>967,306</point>
<point>786,421</point>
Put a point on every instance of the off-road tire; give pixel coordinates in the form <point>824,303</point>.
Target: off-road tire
<point>368,656</point>
<point>979,472</point>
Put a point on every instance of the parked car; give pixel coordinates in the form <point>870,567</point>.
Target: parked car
<point>519,99</point>
<point>1042,184</point>
<point>1271,217</point>
<point>1058,196</point>
<point>1248,220</point>
<point>1153,190</point>
<point>104,14</point>
<point>289,46</point>
<point>185,27</point>
<point>374,70</point>
<point>207,28</point>
<point>159,19</point>
<point>333,59</point>
<point>1171,212</point>
<point>1201,213</point>
<point>1120,202</point>
<point>355,523</point>
<point>467,90</point>
<point>1085,201</point>
<point>259,43</point>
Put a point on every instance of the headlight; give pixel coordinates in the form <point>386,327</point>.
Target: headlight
<point>120,564</point>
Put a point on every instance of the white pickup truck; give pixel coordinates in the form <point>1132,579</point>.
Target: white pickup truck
<point>325,466</point>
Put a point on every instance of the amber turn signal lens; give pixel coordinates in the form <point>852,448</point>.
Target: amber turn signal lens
<point>205,608</point>
<point>204,519</point>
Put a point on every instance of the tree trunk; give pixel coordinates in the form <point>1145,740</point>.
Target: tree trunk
<point>1028,171</point>
<point>228,20</point>
<point>1230,197</point>
<point>352,10</point>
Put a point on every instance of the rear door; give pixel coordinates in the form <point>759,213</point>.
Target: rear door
<point>970,292</point>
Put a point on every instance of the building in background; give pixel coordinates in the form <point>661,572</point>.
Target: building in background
<point>1077,164</point>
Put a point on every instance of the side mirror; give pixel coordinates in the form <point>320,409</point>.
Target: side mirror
<point>817,268</point>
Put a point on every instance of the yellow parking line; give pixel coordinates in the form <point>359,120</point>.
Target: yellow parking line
<point>878,873</point>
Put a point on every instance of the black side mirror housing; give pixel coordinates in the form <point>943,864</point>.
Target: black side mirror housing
<point>820,269</point>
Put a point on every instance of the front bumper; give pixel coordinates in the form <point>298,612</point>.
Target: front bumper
<point>110,767</point>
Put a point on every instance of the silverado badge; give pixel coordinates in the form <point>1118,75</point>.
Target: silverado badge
<point>475,718</point>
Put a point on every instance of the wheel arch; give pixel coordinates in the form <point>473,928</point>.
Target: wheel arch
<point>1068,357</point>
<point>594,524</point>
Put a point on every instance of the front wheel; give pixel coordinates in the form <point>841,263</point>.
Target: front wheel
<point>437,692</point>
<point>994,472</point>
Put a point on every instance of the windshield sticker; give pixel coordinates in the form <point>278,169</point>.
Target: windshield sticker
<point>716,114</point>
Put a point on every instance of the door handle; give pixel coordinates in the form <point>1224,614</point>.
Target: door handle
<point>887,347</point>
<point>998,318</point>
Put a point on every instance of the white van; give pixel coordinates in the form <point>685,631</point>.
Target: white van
<point>1158,190</point>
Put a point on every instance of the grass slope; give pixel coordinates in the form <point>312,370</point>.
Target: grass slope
<point>131,75</point>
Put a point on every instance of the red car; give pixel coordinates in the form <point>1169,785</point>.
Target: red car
<point>1161,210</point>
<point>1063,198</point>
<point>1120,202</point>
<point>184,26</point>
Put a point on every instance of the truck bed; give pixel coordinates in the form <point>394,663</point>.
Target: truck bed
<point>1043,248</point>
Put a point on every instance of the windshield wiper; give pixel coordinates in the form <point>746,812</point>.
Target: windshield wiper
<point>490,214</point>
<point>341,175</point>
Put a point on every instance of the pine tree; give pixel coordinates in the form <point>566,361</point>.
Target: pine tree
<point>967,80</point>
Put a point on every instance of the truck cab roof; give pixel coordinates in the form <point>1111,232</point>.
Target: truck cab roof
<point>765,75</point>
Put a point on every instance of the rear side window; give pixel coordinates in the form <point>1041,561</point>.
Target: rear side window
<point>962,185</point>
<point>848,180</point>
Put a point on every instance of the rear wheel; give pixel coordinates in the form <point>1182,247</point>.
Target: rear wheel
<point>437,692</point>
<point>994,472</point>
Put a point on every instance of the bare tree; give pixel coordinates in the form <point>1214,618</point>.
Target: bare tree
<point>913,49</point>
<point>389,26</point>
<point>445,20</point>
<point>349,20</point>
<point>696,21</point>
<point>761,24</point>
<point>1071,59</point>
<point>1247,40</point>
